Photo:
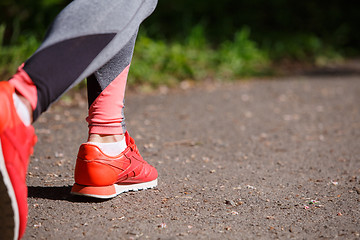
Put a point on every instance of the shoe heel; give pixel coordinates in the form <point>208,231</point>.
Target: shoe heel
<point>103,192</point>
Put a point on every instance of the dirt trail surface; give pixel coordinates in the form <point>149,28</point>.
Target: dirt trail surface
<point>262,159</point>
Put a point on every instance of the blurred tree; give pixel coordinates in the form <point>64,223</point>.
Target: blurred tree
<point>28,17</point>
<point>334,21</point>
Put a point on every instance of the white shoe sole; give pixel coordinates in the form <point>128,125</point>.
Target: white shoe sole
<point>9,218</point>
<point>116,189</point>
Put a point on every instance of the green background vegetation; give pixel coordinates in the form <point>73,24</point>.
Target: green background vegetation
<point>196,40</point>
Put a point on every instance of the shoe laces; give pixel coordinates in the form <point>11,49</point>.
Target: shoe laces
<point>134,148</point>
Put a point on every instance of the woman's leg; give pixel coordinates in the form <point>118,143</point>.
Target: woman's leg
<point>106,90</point>
<point>82,39</point>
<point>110,163</point>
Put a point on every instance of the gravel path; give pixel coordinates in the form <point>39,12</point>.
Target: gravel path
<point>261,159</point>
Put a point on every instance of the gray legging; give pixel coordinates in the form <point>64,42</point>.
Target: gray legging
<point>89,38</point>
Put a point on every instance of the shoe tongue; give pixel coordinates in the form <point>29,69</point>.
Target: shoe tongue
<point>127,138</point>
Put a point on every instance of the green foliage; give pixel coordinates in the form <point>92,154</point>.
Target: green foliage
<point>334,22</point>
<point>242,57</point>
<point>13,55</point>
<point>300,47</point>
<point>156,62</point>
<point>207,40</point>
<point>27,17</point>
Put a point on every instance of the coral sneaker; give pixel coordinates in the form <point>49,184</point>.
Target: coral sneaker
<point>16,144</point>
<point>101,176</point>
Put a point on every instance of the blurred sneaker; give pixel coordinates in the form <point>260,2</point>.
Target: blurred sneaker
<point>101,176</point>
<point>16,145</point>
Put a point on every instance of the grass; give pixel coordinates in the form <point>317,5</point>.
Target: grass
<point>12,56</point>
<point>158,62</point>
<point>301,48</point>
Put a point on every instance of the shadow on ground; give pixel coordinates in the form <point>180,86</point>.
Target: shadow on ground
<point>59,193</point>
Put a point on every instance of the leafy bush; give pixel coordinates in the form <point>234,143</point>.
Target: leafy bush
<point>241,57</point>
<point>300,47</point>
<point>156,62</point>
<point>13,55</point>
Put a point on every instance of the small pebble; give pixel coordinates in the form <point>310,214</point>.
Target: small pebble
<point>162,225</point>
<point>230,202</point>
<point>334,183</point>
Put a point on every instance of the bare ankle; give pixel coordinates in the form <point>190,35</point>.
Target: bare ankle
<point>105,138</point>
